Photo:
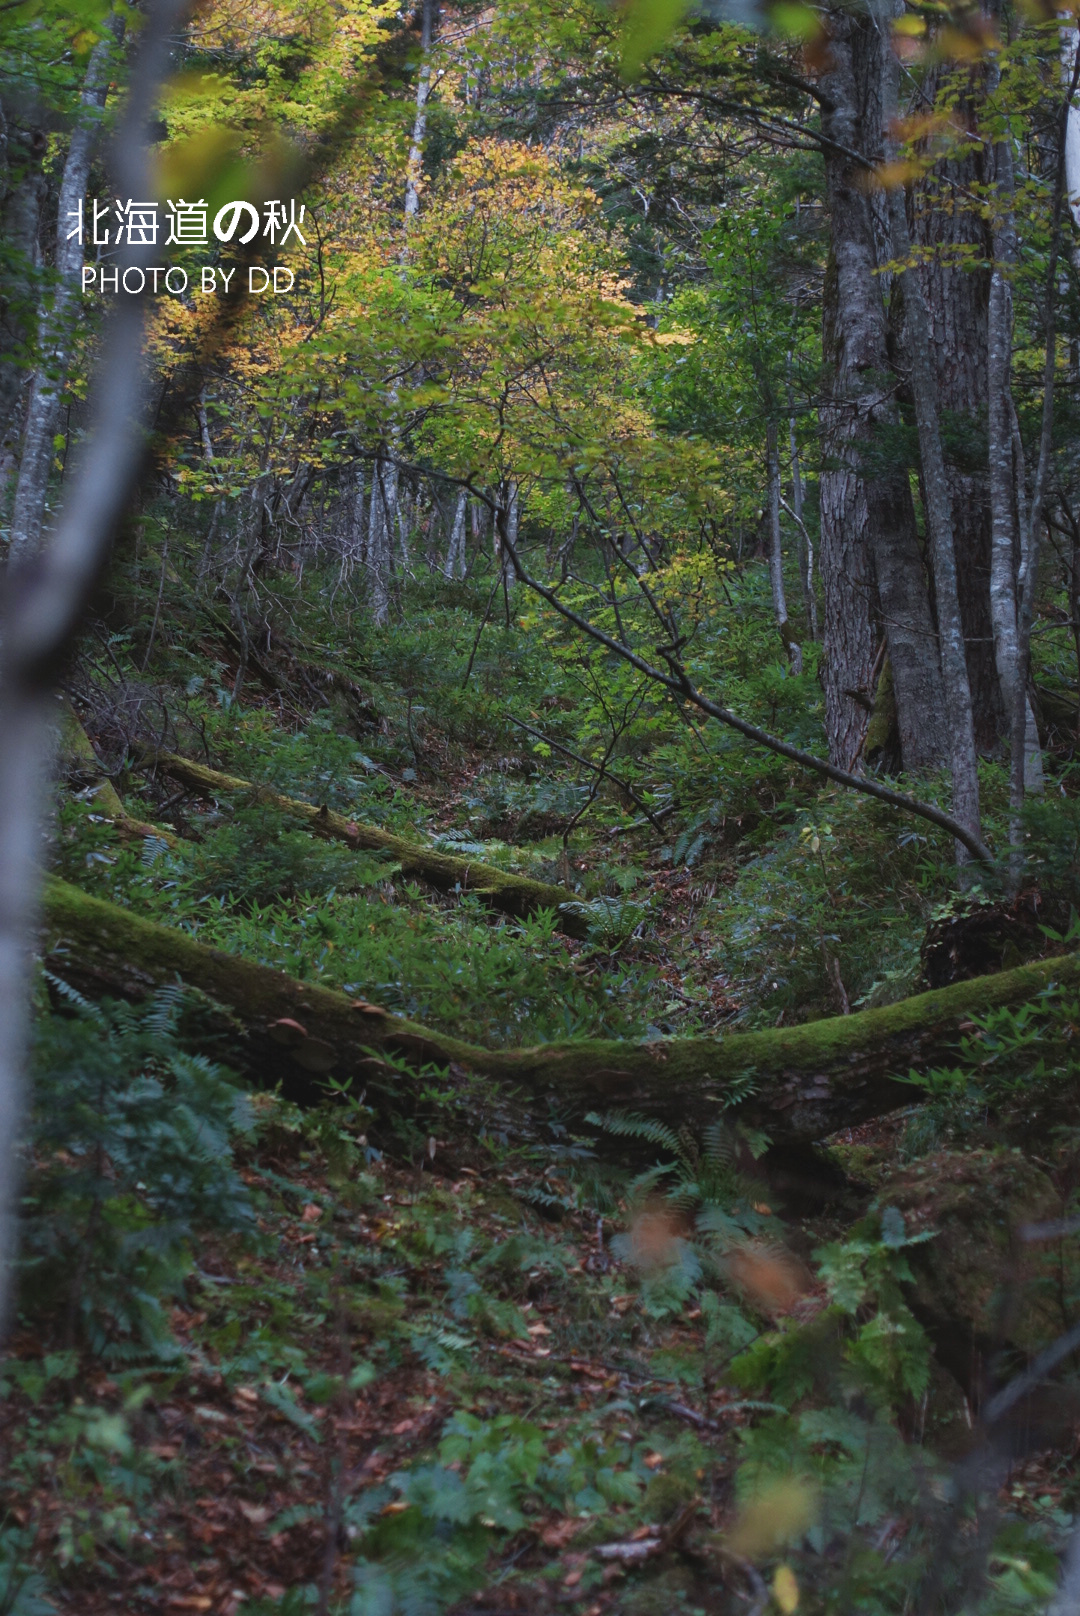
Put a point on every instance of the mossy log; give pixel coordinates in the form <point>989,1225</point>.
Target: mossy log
<point>806,1082</point>
<point>78,757</point>
<point>517,895</point>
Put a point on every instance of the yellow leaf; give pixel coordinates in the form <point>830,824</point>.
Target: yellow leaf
<point>780,1513</point>
<point>786,1590</point>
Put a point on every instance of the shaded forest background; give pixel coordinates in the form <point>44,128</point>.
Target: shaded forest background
<point>554,990</point>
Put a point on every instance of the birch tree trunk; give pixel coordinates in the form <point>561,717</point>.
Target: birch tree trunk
<point>384,480</point>
<point>385,516</point>
<point>455,554</point>
<point>806,548</point>
<point>871,568</point>
<point>55,330</point>
<point>1004,509</point>
<point>776,554</point>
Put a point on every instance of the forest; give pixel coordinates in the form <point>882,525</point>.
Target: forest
<point>539,807</point>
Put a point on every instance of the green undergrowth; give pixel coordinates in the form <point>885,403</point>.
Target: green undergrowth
<point>475,1362</point>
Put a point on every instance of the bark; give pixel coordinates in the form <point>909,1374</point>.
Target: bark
<point>57,324</point>
<point>806,548</point>
<point>385,516</point>
<point>1031,534</point>
<point>776,553</point>
<point>455,554</point>
<point>513,894</point>
<point>414,174</point>
<point>381,518</point>
<point>808,1081</point>
<point>869,550</point>
<point>42,607</point>
<point>1005,533</point>
<point>945,221</point>
<point>937,502</point>
<point>22,191</point>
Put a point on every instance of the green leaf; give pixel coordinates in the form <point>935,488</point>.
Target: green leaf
<point>648,25</point>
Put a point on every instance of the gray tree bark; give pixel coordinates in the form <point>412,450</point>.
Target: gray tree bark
<point>963,760</point>
<point>56,326</point>
<point>776,553</point>
<point>22,191</point>
<point>1006,537</point>
<point>871,568</point>
<point>455,554</point>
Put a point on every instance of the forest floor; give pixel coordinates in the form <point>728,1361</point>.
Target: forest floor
<point>450,1355</point>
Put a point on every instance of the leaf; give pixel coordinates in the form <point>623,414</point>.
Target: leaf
<point>648,25</point>
<point>893,1231</point>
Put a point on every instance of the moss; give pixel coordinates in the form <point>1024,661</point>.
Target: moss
<point>977,1275</point>
<point>517,895</point>
<point>804,1082</point>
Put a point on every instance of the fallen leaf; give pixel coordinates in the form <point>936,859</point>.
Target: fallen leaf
<point>311,1213</point>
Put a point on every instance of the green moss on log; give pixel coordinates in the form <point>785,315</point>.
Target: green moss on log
<point>517,895</point>
<point>806,1081</point>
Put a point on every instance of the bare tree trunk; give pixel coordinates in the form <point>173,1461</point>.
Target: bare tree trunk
<point>385,515</point>
<point>42,608</point>
<point>869,556</point>
<point>384,480</point>
<point>22,191</point>
<point>963,760</point>
<point>956,292</point>
<point>1005,523</point>
<point>56,326</point>
<point>776,554</point>
<point>455,554</point>
<point>805,547</point>
<point>505,559</point>
<point>1031,535</point>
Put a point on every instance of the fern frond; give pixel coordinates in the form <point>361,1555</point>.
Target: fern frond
<point>719,1144</point>
<point>164,1009</point>
<point>73,997</point>
<point>632,1125</point>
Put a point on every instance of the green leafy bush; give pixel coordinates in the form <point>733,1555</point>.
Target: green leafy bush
<point>130,1154</point>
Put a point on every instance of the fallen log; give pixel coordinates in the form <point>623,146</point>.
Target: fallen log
<point>517,895</point>
<point>799,1084</point>
<point>78,757</point>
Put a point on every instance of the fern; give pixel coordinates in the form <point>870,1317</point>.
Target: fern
<point>631,1125</point>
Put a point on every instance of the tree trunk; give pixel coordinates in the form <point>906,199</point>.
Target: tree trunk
<point>869,553</point>
<point>1005,521</point>
<point>22,191</point>
<point>455,554</point>
<point>937,503</point>
<point>57,324</point>
<point>776,553</point>
<point>807,1081</point>
<point>381,518</point>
